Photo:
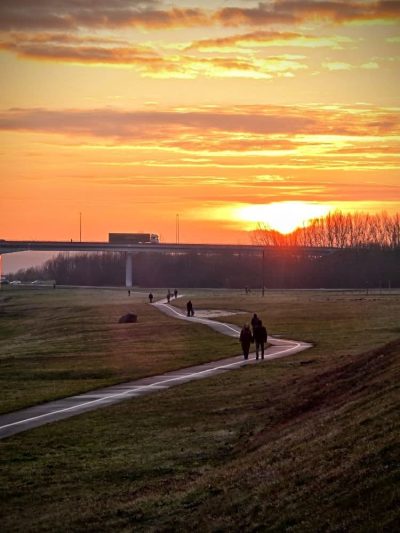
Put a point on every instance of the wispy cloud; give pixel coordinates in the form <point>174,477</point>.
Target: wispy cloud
<point>60,32</point>
<point>260,39</point>
<point>222,67</point>
<point>148,61</point>
<point>337,65</point>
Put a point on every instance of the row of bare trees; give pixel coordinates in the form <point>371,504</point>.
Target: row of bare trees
<point>338,230</point>
<point>278,268</point>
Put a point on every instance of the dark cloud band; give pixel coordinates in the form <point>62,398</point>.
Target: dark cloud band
<point>66,15</point>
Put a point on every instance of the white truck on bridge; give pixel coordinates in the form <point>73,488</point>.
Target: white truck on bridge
<point>133,238</point>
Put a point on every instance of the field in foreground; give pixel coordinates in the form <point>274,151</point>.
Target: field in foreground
<point>307,443</point>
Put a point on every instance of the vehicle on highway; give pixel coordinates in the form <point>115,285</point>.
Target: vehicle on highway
<point>133,238</point>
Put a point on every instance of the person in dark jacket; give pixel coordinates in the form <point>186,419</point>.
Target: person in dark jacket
<point>189,308</point>
<point>254,322</point>
<point>246,338</point>
<point>260,338</point>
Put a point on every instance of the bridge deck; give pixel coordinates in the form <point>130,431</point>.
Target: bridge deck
<point>92,246</point>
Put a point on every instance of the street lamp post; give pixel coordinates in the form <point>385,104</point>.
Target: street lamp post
<point>177,228</point>
<point>263,273</point>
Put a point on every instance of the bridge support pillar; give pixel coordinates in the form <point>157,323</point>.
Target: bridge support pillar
<point>128,271</point>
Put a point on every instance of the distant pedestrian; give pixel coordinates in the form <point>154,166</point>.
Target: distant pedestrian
<point>151,298</point>
<point>189,308</point>
<point>168,295</point>
<point>254,322</point>
<point>246,338</point>
<point>129,292</point>
<point>176,293</point>
<point>260,338</point>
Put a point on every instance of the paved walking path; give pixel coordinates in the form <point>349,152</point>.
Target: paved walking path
<point>39,415</point>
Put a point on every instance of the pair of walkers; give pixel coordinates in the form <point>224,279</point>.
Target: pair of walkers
<point>169,294</point>
<point>258,335</point>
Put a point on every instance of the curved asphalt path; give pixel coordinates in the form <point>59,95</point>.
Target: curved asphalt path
<point>25,419</point>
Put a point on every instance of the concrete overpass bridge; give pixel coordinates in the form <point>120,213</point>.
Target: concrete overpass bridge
<point>8,247</point>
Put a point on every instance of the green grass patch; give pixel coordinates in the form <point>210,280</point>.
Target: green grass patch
<point>305,443</point>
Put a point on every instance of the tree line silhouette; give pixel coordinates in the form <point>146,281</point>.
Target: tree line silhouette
<point>367,255</point>
<point>338,230</point>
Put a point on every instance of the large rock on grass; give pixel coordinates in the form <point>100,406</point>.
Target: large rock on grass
<point>129,318</point>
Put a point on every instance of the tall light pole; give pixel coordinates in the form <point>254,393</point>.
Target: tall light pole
<point>263,273</point>
<point>177,228</point>
<point>80,227</point>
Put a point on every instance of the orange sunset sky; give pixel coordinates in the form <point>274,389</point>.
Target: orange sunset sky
<point>227,113</point>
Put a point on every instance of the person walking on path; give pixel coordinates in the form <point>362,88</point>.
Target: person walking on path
<point>151,298</point>
<point>254,322</point>
<point>176,293</point>
<point>189,308</point>
<point>168,295</point>
<point>246,338</point>
<point>260,338</point>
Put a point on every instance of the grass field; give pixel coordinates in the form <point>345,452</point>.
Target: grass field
<point>58,343</point>
<point>305,443</point>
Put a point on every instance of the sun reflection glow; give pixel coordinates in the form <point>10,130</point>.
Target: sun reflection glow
<point>284,217</point>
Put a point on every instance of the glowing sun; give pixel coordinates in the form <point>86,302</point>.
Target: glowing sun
<point>284,217</point>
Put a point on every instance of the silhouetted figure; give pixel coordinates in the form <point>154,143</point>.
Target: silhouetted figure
<point>246,338</point>
<point>176,293</point>
<point>254,321</point>
<point>260,338</point>
<point>168,295</point>
<point>189,308</point>
<point>129,292</point>
<point>151,298</point>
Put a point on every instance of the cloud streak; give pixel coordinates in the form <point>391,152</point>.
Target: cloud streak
<point>252,120</point>
<point>260,39</point>
<point>293,12</point>
<point>66,15</point>
<point>84,54</point>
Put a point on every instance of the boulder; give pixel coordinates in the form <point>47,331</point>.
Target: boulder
<point>129,318</point>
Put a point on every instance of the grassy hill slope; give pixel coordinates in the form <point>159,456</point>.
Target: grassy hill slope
<point>277,447</point>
